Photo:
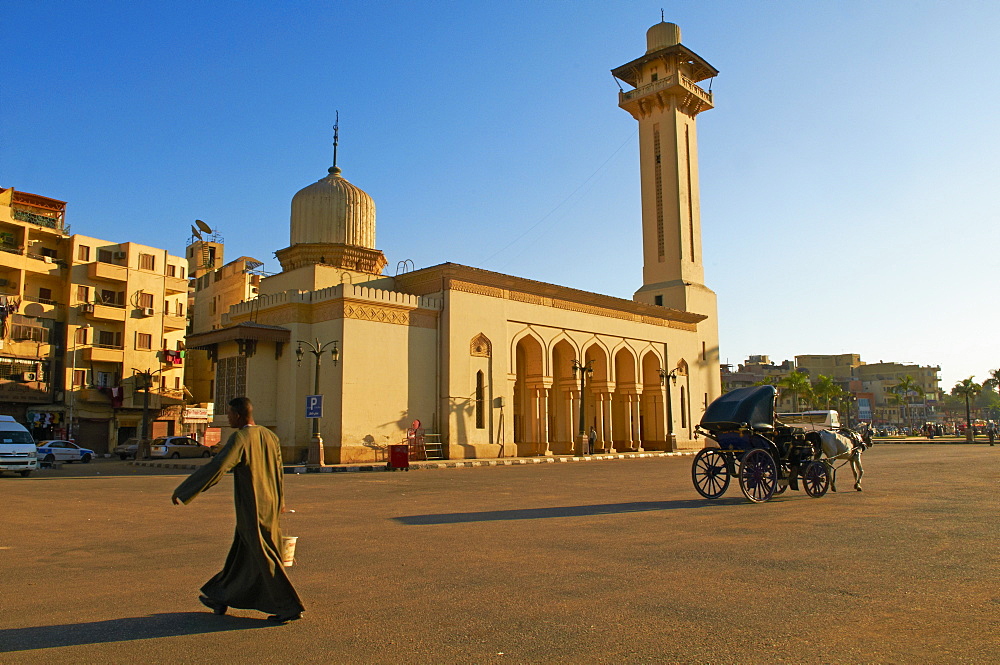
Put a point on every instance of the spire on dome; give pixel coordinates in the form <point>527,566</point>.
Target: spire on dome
<point>335,170</point>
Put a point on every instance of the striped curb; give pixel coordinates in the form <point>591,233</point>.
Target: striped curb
<point>469,464</point>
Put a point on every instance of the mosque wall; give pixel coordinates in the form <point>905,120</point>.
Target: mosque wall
<point>528,400</point>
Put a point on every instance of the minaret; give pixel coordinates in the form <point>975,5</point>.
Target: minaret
<point>665,100</point>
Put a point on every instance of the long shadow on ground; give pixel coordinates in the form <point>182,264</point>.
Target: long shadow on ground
<point>562,511</point>
<point>170,624</point>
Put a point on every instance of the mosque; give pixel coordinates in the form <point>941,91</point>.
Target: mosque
<point>492,365</point>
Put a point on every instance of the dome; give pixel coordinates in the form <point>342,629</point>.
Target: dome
<point>662,35</point>
<point>333,210</point>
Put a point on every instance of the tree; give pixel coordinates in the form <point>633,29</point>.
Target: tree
<point>825,389</point>
<point>992,383</point>
<point>896,400</point>
<point>968,389</point>
<point>906,386</point>
<point>797,385</point>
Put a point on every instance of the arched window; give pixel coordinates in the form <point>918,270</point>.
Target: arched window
<point>480,401</point>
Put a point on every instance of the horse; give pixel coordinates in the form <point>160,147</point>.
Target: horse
<point>843,444</point>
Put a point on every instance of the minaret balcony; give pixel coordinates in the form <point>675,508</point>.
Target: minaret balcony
<point>674,85</point>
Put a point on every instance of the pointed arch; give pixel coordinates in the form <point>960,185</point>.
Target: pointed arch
<point>481,346</point>
<point>525,332</point>
<point>562,337</point>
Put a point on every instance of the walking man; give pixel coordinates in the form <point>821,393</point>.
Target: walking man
<point>253,577</point>
<point>591,440</point>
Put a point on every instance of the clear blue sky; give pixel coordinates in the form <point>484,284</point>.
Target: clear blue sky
<point>848,172</point>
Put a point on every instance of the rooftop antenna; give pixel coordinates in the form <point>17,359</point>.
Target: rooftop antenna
<point>662,20</point>
<point>196,233</point>
<point>336,140</point>
<point>203,226</point>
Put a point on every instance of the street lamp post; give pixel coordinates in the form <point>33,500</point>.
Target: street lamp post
<point>672,375</point>
<point>316,455</point>
<point>585,369</point>
<point>72,382</point>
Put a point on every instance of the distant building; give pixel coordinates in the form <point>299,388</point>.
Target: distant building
<point>215,287</point>
<point>870,385</point>
<point>83,316</point>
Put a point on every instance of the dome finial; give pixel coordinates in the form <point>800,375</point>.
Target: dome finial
<point>335,170</point>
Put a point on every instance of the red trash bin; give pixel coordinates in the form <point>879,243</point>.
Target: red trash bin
<point>399,456</point>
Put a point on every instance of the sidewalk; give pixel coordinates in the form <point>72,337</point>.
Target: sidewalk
<point>981,439</point>
<point>431,464</point>
<point>517,461</point>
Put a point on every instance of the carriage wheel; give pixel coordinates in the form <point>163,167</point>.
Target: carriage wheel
<point>709,473</point>
<point>758,475</point>
<point>816,479</point>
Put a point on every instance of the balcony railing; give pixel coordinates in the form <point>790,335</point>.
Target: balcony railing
<point>671,81</point>
<point>44,301</point>
<point>38,220</point>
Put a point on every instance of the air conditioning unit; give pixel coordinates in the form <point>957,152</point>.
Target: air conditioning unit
<point>87,308</point>
<point>119,255</point>
<point>28,376</point>
<point>148,311</point>
<point>47,259</point>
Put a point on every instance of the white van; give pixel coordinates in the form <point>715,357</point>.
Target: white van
<point>17,448</point>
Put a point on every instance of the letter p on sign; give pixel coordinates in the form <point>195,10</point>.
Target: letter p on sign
<point>314,406</point>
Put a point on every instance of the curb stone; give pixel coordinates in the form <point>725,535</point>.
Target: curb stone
<point>468,464</point>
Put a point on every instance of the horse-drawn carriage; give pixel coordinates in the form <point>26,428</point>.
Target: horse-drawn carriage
<point>765,455</point>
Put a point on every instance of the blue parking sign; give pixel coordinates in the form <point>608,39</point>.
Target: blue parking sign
<point>314,406</point>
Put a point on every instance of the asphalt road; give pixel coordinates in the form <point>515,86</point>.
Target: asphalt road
<point>593,562</point>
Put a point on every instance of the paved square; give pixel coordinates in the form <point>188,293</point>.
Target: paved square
<point>595,562</point>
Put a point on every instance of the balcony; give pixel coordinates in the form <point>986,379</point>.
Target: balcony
<point>104,312</point>
<point>675,84</point>
<point>175,285</point>
<point>170,397</point>
<point>42,308</point>
<point>172,322</point>
<point>108,272</point>
<point>53,222</point>
<point>104,353</point>
<point>42,264</point>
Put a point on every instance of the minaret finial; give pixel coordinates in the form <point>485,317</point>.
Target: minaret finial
<point>335,170</point>
<point>662,20</point>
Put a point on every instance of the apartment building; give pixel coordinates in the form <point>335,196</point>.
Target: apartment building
<point>103,323</point>
<point>32,303</point>
<point>215,287</point>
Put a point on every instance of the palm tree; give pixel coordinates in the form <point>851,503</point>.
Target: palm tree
<point>994,381</point>
<point>896,400</point>
<point>797,385</point>
<point>825,389</point>
<point>905,386</point>
<point>968,389</point>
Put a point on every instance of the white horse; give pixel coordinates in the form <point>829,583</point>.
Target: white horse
<point>843,444</point>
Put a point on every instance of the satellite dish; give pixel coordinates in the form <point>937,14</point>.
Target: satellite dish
<point>196,233</point>
<point>203,226</point>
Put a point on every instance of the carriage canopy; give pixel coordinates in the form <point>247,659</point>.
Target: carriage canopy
<point>752,406</point>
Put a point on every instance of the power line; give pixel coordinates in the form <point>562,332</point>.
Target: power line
<point>561,203</point>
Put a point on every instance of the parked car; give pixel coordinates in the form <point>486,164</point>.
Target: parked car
<point>178,446</point>
<point>17,448</point>
<point>128,449</point>
<point>59,450</point>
